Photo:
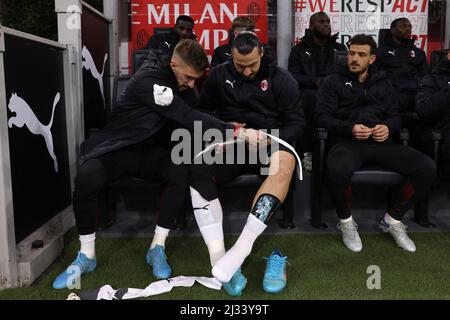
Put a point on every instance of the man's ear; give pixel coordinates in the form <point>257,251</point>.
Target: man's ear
<point>173,63</point>
<point>372,58</point>
<point>262,51</point>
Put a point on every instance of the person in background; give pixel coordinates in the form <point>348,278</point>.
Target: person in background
<point>358,107</point>
<point>310,61</point>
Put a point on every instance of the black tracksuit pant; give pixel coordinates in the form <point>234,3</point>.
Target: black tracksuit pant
<point>148,161</point>
<point>308,103</point>
<point>344,158</point>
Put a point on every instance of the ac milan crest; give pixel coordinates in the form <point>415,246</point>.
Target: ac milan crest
<point>264,85</point>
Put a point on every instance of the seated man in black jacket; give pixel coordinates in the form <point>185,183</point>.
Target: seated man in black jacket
<point>433,103</point>
<point>358,108</point>
<point>166,42</point>
<point>137,141</point>
<point>404,65</point>
<point>309,63</point>
<point>250,91</point>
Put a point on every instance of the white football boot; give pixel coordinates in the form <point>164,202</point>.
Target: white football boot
<point>398,232</point>
<point>350,235</point>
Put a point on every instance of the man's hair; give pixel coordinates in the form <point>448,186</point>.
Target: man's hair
<point>245,42</point>
<point>192,53</point>
<point>395,22</point>
<point>243,23</point>
<point>362,39</point>
<point>185,18</point>
<point>320,13</point>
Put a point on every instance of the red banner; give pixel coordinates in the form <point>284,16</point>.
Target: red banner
<point>212,18</point>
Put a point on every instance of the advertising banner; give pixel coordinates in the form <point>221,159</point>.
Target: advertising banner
<point>212,19</point>
<point>351,17</point>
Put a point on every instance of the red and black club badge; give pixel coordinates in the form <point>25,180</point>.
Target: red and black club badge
<point>264,85</point>
<point>413,54</point>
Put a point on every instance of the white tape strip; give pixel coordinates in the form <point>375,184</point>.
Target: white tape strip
<point>278,140</point>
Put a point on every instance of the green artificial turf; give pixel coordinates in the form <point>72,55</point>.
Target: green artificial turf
<point>320,267</point>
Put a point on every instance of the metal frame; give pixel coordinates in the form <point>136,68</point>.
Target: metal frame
<point>285,32</point>
<point>8,258</point>
<point>18,265</point>
<point>96,12</point>
<point>111,8</point>
<point>74,74</point>
<point>447,23</point>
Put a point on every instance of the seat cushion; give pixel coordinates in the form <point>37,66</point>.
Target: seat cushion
<point>377,175</point>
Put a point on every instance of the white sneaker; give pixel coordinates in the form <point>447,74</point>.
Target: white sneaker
<point>398,232</point>
<point>350,235</point>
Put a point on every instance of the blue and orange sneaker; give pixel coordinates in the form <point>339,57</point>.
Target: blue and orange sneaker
<point>275,276</point>
<point>236,285</point>
<point>71,276</point>
<point>157,259</point>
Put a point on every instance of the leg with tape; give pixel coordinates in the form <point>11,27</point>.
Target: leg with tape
<point>209,217</point>
<point>264,208</point>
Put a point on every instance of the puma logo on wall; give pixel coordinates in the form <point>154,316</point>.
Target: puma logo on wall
<point>25,116</point>
<point>89,64</point>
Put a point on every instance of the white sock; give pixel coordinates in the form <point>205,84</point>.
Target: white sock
<point>209,221</point>
<point>87,243</point>
<point>160,237</point>
<point>216,251</point>
<point>350,219</point>
<point>389,220</point>
<point>225,268</point>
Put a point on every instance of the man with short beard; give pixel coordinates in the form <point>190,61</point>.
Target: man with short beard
<point>183,29</point>
<point>403,63</point>
<point>310,62</point>
<point>358,108</point>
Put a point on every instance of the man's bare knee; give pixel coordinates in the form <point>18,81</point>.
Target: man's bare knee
<point>282,165</point>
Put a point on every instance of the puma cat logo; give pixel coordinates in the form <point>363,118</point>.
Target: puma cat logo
<point>25,116</point>
<point>392,53</point>
<point>167,44</point>
<point>309,54</point>
<point>231,83</point>
<point>228,54</point>
<point>89,64</point>
<point>349,84</point>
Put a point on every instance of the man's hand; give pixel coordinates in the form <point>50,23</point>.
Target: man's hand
<point>252,137</point>
<point>238,125</point>
<point>361,132</point>
<point>380,133</point>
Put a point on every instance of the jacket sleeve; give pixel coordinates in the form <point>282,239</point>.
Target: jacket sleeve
<point>430,101</point>
<point>208,101</point>
<point>393,119</point>
<point>153,42</point>
<point>288,100</point>
<point>295,67</point>
<point>215,58</point>
<point>326,107</point>
<point>379,53</point>
<point>424,67</point>
<point>177,110</point>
